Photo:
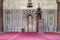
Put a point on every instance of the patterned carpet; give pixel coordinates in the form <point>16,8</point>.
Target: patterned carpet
<point>29,36</point>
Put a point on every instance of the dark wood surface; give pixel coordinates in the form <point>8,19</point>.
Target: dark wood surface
<point>58,17</point>
<point>1,15</point>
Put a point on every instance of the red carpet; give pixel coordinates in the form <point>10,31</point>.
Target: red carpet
<point>29,36</point>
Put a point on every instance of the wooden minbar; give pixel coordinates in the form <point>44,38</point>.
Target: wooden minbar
<point>40,27</point>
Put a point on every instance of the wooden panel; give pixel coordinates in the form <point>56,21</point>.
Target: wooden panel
<point>58,17</point>
<point>1,14</point>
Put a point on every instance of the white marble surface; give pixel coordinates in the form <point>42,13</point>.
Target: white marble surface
<point>17,8</point>
<point>21,4</point>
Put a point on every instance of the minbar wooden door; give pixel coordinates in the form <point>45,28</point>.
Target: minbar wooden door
<point>40,26</point>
